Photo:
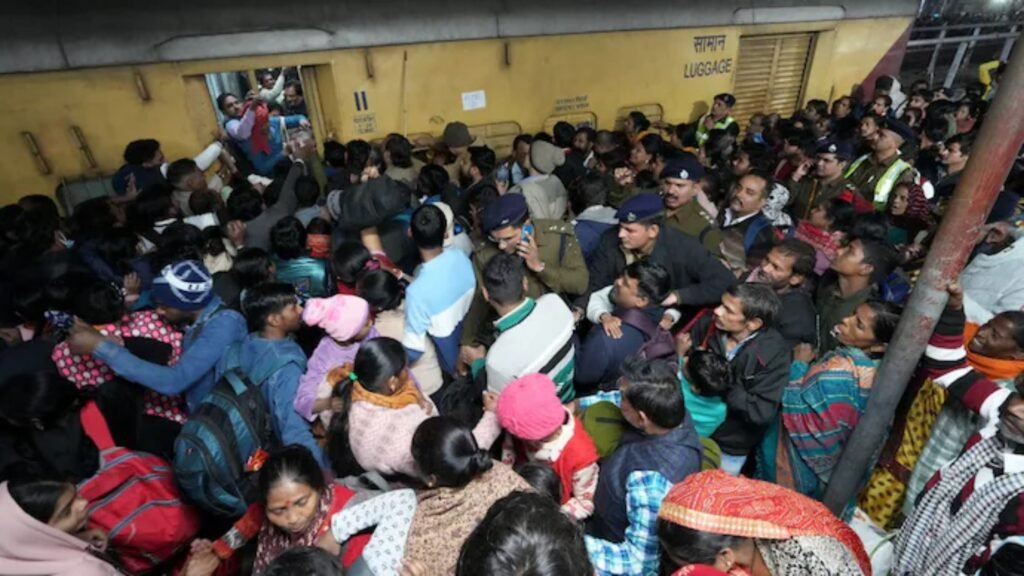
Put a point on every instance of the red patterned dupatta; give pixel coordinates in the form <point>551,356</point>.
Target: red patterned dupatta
<point>716,502</point>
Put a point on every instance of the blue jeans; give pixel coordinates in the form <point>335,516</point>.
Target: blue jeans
<point>733,464</point>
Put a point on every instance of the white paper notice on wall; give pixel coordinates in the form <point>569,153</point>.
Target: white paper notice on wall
<point>474,100</point>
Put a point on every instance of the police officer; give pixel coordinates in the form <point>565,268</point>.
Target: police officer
<point>718,118</point>
<point>825,180</point>
<point>875,175</point>
<point>549,249</point>
<point>680,184</point>
<point>698,278</point>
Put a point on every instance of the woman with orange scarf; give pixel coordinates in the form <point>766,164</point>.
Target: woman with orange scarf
<point>747,527</point>
<point>379,407</point>
<point>996,350</point>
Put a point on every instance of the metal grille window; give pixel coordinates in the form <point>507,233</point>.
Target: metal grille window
<point>770,74</point>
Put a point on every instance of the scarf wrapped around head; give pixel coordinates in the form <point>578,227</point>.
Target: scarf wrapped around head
<point>918,214</point>
<point>718,503</point>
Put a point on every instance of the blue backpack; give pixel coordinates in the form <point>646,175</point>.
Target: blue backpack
<point>218,452</point>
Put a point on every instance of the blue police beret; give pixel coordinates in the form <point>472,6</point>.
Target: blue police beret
<point>841,148</point>
<point>683,167</point>
<point>505,211</point>
<point>905,132</point>
<point>640,208</point>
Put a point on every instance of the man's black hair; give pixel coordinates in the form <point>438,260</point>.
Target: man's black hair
<point>801,252</point>
<point>180,169</point>
<point>399,149</point>
<point>264,300</point>
<point>503,279</point>
<point>759,302</point>
<point>140,151</point>
<point>428,227</point>
<point>564,133</point>
<point>652,387</point>
<point>483,158</point>
<point>653,280</point>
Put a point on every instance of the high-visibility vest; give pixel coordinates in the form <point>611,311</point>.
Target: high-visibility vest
<point>702,133</point>
<point>885,184</point>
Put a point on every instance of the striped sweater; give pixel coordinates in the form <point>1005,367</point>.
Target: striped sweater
<point>945,359</point>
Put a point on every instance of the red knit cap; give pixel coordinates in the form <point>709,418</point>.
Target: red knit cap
<point>529,407</point>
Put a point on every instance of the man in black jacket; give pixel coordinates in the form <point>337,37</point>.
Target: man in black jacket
<point>697,278</point>
<point>741,330</point>
<point>787,269</point>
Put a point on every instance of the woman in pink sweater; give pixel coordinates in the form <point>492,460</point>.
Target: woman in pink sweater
<point>377,410</point>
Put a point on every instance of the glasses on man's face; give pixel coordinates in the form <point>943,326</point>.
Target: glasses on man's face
<point>505,240</point>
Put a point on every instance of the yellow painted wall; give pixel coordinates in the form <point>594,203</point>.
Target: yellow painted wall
<point>610,70</point>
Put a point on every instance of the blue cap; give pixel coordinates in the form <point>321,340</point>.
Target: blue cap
<point>841,148</point>
<point>683,167</point>
<point>641,208</point>
<point>505,211</point>
<point>905,132</point>
<point>185,285</point>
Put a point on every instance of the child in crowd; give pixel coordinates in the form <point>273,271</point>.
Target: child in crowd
<point>347,322</point>
<point>705,377</point>
<point>378,408</point>
<point>541,429</point>
<point>825,228</point>
<point>294,265</point>
<point>318,238</point>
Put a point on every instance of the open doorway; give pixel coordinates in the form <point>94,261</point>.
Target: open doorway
<point>263,114</point>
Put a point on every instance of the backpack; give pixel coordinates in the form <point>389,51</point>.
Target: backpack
<point>226,440</point>
<point>133,497</point>
<point>658,343</point>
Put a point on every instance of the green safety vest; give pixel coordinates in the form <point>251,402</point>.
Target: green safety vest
<point>885,184</point>
<point>702,134</point>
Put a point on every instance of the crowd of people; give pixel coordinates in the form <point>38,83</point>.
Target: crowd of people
<point>631,351</point>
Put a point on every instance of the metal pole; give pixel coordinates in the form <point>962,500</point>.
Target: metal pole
<point>958,60</point>
<point>1008,46</point>
<point>935,56</point>
<point>1001,137</point>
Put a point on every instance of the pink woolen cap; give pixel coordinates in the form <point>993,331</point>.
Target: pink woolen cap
<point>341,316</point>
<point>529,407</point>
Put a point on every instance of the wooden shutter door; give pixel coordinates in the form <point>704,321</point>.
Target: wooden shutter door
<point>770,75</point>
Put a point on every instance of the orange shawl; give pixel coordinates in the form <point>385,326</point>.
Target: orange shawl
<point>992,368</point>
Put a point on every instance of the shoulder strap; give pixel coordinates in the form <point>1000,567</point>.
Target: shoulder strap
<point>94,424</point>
<point>640,321</point>
<point>759,223</point>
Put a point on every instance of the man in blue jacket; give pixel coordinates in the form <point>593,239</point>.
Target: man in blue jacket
<point>184,296</point>
<point>269,355</point>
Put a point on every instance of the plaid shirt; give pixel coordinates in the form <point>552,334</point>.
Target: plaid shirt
<point>638,553</point>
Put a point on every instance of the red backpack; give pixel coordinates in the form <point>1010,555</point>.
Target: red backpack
<point>134,499</point>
